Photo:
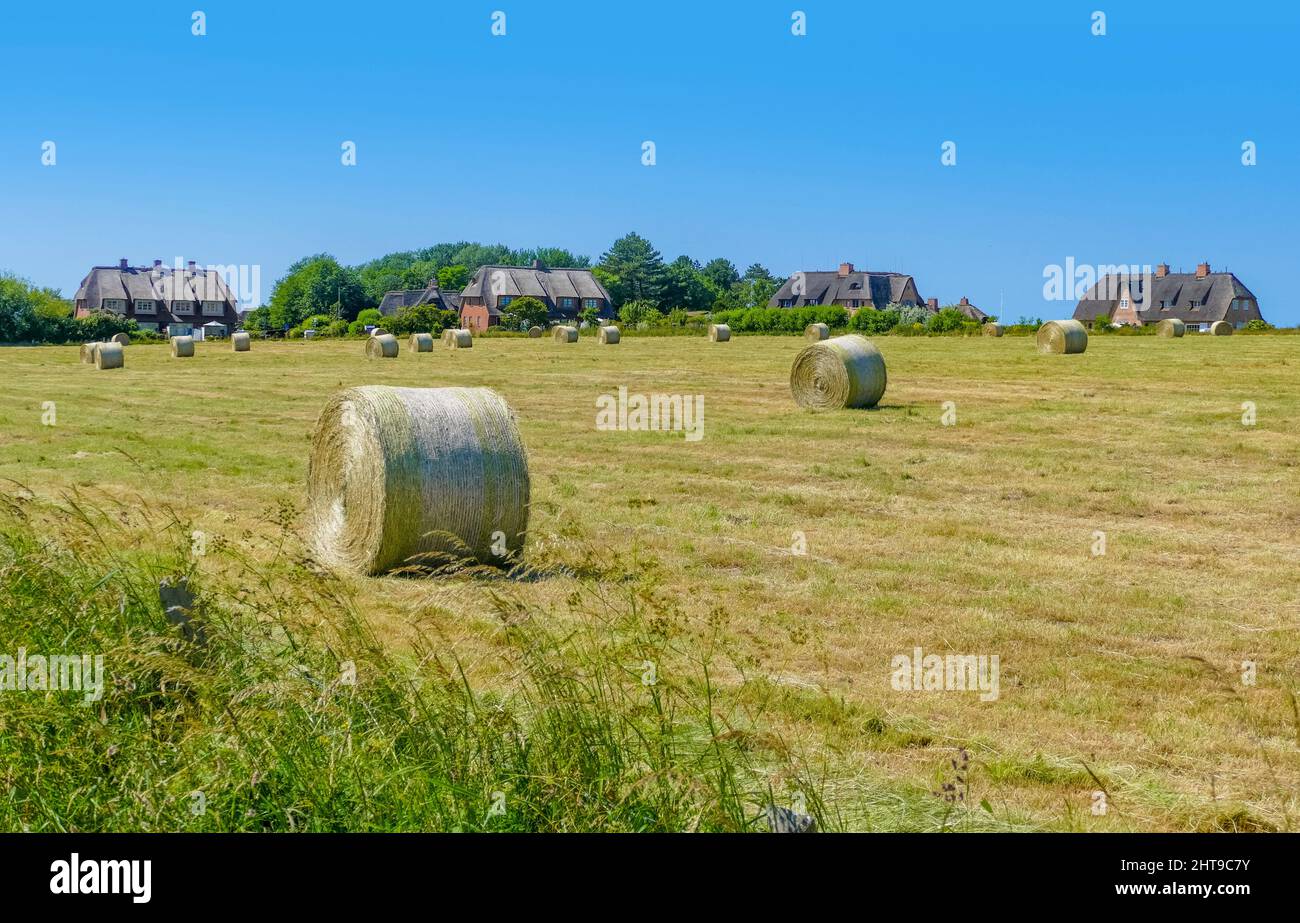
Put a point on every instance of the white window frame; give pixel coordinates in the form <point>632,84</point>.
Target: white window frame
<point>146,306</point>
<point>187,310</point>
<point>116,305</point>
<point>213,308</point>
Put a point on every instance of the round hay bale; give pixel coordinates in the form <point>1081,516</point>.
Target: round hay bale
<point>1062,337</point>
<point>88,352</point>
<point>562,334</point>
<point>182,347</point>
<point>719,333</point>
<point>816,332</point>
<point>378,332</point>
<point>422,342</point>
<point>608,336</point>
<point>110,356</point>
<point>381,347</point>
<point>1170,327</point>
<point>416,477</point>
<point>1221,328</point>
<point>309,334</point>
<point>460,339</point>
<point>535,332</point>
<point>992,330</point>
<point>847,371</point>
<point>121,339</point>
<point>241,341</point>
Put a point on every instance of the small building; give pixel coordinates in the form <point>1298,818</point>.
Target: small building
<point>969,310</point>
<point>1198,299</point>
<point>157,297</point>
<point>565,292</point>
<point>847,287</point>
<point>431,294</point>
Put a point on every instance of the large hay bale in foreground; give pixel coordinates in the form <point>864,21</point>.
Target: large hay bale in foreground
<point>1170,327</point>
<point>182,347</point>
<point>241,341</point>
<point>109,356</point>
<point>88,352</point>
<point>992,330</point>
<point>847,371</point>
<point>422,342</point>
<point>562,334</point>
<point>608,335</point>
<point>460,339</point>
<point>1221,328</point>
<point>1062,337</point>
<point>814,332</point>
<point>719,333</point>
<point>535,332</point>
<point>383,346</point>
<point>121,339</point>
<point>418,477</point>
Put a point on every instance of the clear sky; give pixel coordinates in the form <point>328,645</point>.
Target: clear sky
<point>793,151</point>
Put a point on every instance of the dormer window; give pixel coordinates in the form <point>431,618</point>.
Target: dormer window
<point>145,307</point>
<point>1123,302</point>
<point>182,307</point>
<point>214,308</point>
<point>116,305</point>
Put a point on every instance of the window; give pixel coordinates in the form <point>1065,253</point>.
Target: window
<point>182,307</point>
<point>1194,304</point>
<point>504,300</point>
<point>153,327</point>
<point>116,305</point>
<point>214,308</point>
<point>145,307</point>
<point>787,303</point>
<point>1165,305</point>
<point>567,302</point>
<point>591,303</point>
<point>1123,302</point>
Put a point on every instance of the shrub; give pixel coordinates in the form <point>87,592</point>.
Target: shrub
<point>636,312</point>
<point>525,312</point>
<point>1258,325</point>
<point>872,321</point>
<point>370,316</point>
<point>945,321</point>
<point>421,318</point>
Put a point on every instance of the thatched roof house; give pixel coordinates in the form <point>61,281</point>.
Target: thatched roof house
<point>847,287</point>
<point>157,296</point>
<point>565,292</point>
<point>431,294</point>
<point>1197,299</point>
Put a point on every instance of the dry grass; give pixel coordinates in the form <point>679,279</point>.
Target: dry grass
<point>973,538</point>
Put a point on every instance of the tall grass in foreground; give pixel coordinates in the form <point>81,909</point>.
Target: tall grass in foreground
<point>262,726</point>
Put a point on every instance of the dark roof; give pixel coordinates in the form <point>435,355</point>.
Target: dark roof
<point>1156,298</point>
<point>971,311</point>
<point>543,283</point>
<point>880,288</point>
<point>430,294</point>
<point>153,283</point>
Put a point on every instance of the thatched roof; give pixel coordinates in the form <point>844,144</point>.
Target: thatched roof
<point>1179,295</point>
<point>880,288</point>
<point>431,294</point>
<point>544,283</point>
<point>158,283</point>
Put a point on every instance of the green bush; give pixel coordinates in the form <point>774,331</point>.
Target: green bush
<point>946,320</point>
<point>421,318</point>
<point>782,320</point>
<point>371,316</point>
<point>871,322</point>
<point>1258,325</point>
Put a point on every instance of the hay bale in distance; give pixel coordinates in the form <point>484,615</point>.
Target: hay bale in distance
<point>422,342</point>
<point>309,334</point>
<point>608,336</point>
<point>88,352</point>
<point>121,339</point>
<point>719,333</point>
<point>110,356</point>
<point>1170,327</point>
<point>182,347</point>
<point>1062,337</point>
<point>460,339</point>
<point>847,371</point>
<point>381,347</point>
<point>992,330</point>
<point>416,477</point>
<point>1221,328</point>
<point>378,332</point>
<point>535,332</point>
<point>815,332</point>
<point>562,334</point>
<point>241,341</point>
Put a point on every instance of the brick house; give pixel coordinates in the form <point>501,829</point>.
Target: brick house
<point>848,288</point>
<point>158,297</point>
<point>1197,299</point>
<point>565,292</point>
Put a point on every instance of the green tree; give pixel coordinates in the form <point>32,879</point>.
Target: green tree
<point>525,312</point>
<point>639,312</point>
<point>686,287</point>
<point>720,274</point>
<point>453,278</point>
<point>316,285</point>
<point>632,269</point>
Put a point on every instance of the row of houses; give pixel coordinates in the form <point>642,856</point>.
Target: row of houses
<point>173,298</point>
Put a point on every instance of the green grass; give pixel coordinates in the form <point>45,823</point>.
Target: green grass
<point>973,538</point>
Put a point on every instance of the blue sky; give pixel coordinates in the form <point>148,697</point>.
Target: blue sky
<point>796,152</point>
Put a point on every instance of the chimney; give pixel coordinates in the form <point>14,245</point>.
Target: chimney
<point>1202,270</point>
<point>932,304</point>
<point>1162,270</point>
<point>157,264</point>
<point>965,301</point>
<point>845,269</point>
<point>121,264</point>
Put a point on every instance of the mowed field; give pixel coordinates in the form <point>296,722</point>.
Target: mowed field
<point>1121,670</point>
